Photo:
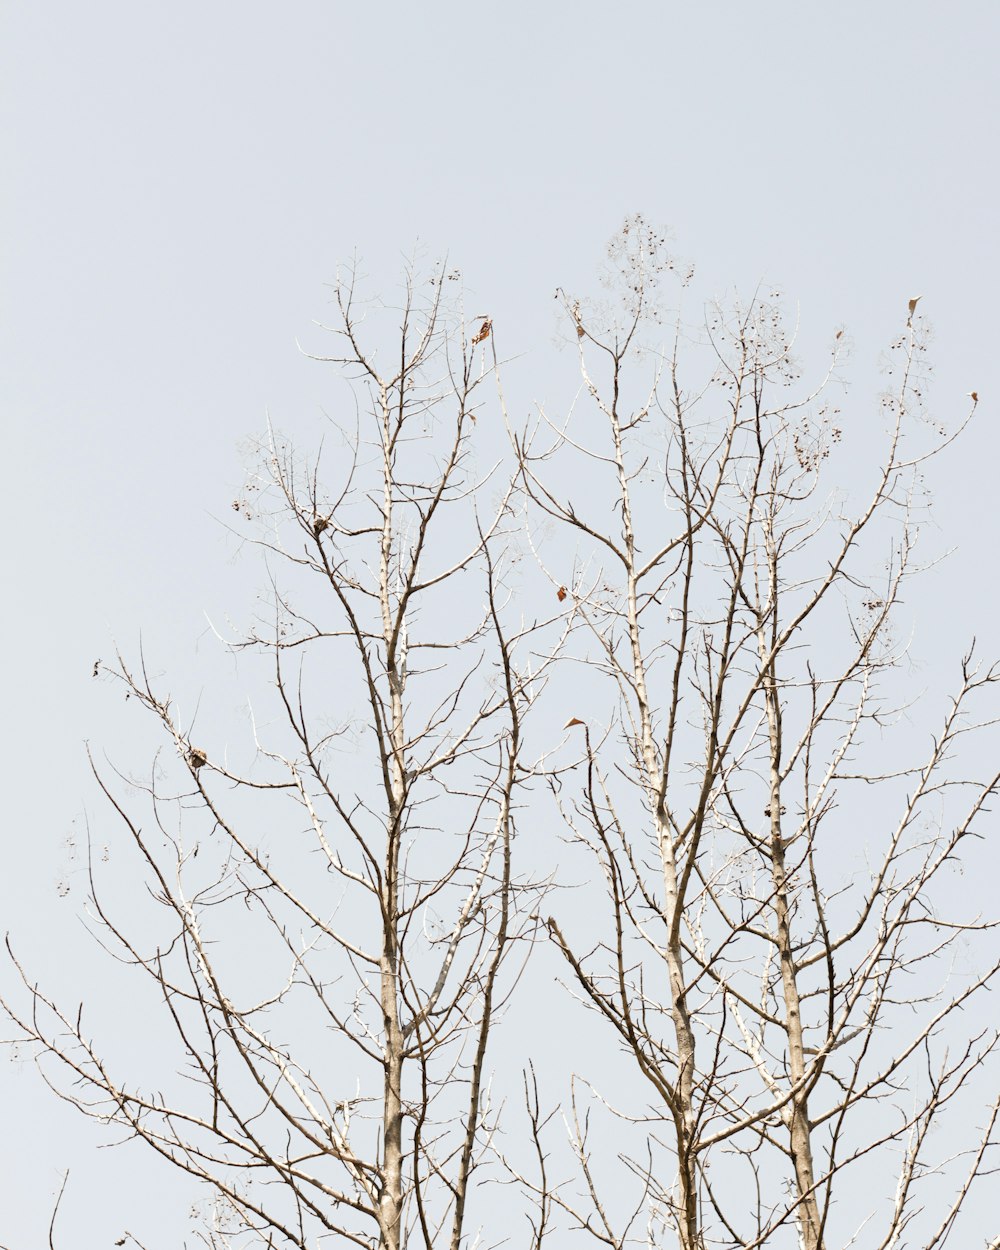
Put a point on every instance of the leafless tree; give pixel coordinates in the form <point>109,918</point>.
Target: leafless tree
<point>337,912</point>
<point>773,939</point>
<point>781,959</point>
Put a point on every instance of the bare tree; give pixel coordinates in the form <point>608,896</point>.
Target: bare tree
<point>335,1082</point>
<point>773,940</point>
<point>781,959</point>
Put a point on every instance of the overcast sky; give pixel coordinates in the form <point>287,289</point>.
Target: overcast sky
<point>182,180</point>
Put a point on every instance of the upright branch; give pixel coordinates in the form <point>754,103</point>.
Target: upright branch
<point>363,851</point>
<point>746,971</point>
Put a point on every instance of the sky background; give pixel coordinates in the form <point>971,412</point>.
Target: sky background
<point>182,181</point>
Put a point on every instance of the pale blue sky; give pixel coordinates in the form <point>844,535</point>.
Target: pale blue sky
<point>183,178</point>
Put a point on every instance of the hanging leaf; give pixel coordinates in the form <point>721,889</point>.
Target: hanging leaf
<point>561,593</point>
